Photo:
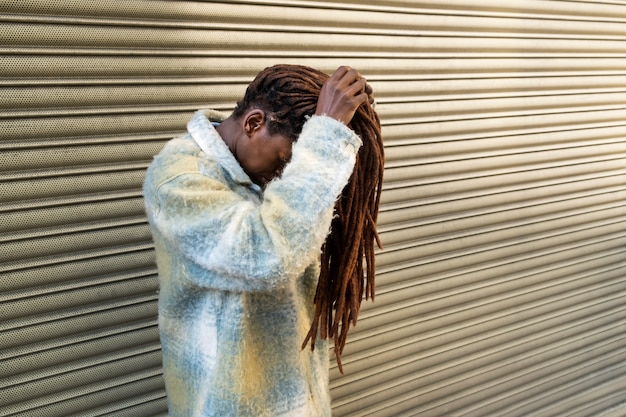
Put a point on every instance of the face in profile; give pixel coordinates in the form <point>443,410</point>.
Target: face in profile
<point>263,156</point>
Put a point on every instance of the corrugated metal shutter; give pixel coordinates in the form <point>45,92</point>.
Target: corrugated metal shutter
<point>503,276</point>
<point>501,283</point>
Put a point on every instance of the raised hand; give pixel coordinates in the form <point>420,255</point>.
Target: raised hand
<point>342,94</point>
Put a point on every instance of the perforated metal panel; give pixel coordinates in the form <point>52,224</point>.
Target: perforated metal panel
<point>501,283</point>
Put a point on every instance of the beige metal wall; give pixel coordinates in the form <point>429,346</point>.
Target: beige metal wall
<point>500,289</point>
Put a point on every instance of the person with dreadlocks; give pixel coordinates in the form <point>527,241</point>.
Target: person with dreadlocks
<point>240,208</point>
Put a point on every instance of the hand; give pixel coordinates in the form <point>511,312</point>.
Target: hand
<point>342,94</point>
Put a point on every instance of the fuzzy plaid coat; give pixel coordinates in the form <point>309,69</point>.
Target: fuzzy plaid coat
<point>238,269</point>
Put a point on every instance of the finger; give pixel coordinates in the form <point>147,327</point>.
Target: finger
<point>359,86</point>
<point>362,98</point>
<point>349,78</point>
<point>341,72</point>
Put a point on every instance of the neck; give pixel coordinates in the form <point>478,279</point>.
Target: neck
<point>228,132</point>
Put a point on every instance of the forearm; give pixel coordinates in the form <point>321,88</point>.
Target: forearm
<point>267,244</point>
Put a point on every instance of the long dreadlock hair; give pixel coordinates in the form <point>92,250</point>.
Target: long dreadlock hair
<point>288,94</point>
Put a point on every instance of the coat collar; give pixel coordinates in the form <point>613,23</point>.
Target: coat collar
<point>209,140</point>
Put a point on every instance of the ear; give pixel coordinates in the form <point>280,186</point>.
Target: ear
<point>253,120</point>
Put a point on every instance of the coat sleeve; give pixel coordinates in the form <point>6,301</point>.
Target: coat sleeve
<point>241,245</point>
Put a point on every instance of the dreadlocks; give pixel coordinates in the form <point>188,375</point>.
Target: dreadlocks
<point>288,94</point>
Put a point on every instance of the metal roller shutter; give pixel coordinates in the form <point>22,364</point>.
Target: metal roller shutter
<point>500,286</point>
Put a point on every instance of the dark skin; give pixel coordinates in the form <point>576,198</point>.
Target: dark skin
<point>263,156</point>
